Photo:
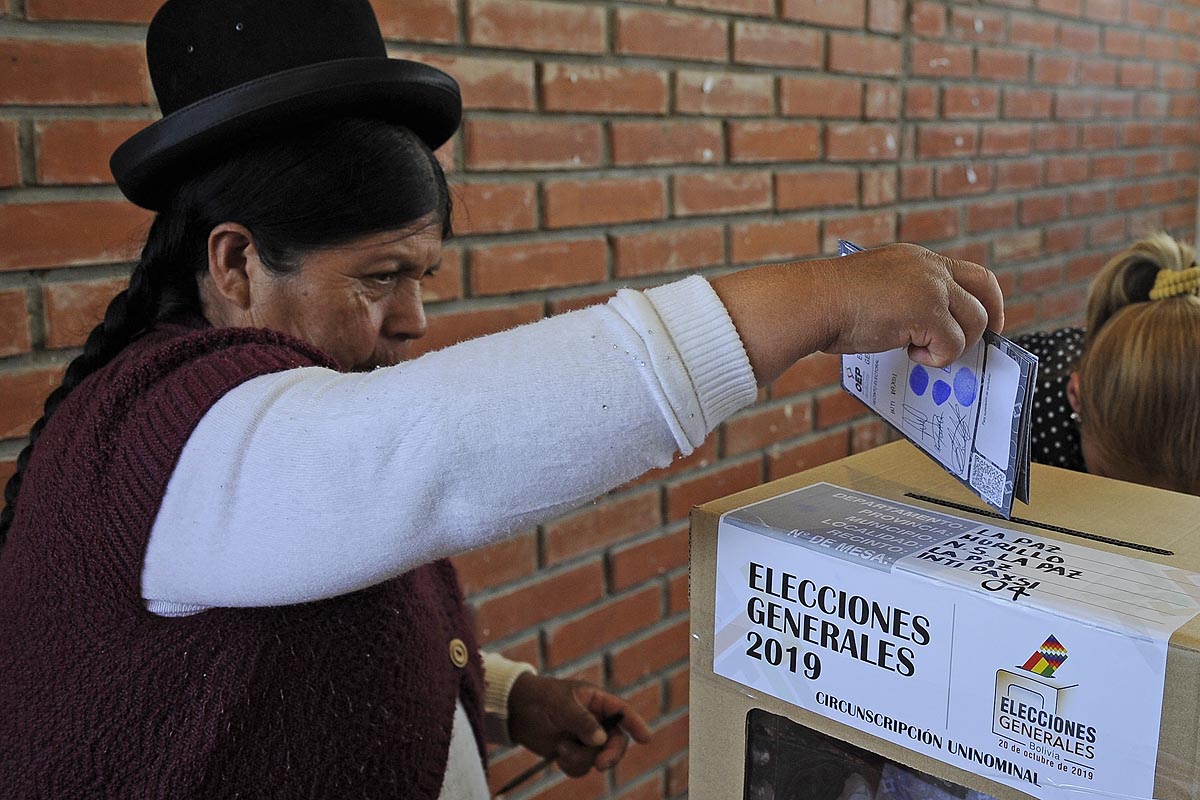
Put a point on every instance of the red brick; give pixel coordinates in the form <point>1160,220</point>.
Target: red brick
<point>1016,246</point>
<point>668,250</point>
<point>838,406</point>
<point>1142,13</point>
<point>555,786</point>
<point>1019,316</point>
<point>760,427</point>
<point>751,142</point>
<point>1027,103</point>
<point>1088,203</point>
<point>91,10</point>
<point>603,89</point>
<point>885,16</point>
<point>677,596</point>
<point>990,216</point>
<point>1006,140</point>
<point>447,282</point>
<point>669,740</point>
<point>1099,137</point>
<point>764,8</point>
<point>1076,105</point>
<point>1037,32</point>
<point>1039,210</point>
<point>832,13</point>
<point>553,595</point>
<point>77,151</point>
<point>921,102</point>
<point>645,143</point>
<point>776,240</point>
<point>1001,65</point>
<point>916,183</point>
<point>855,142</point>
<point>929,225</point>
<point>882,101</point>
<point>722,193</point>
<point>10,158</point>
<point>604,201</point>
<point>869,435</point>
<point>1058,70</point>
<point>502,269</point>
<point>775,45</point>
<point>638,562</point>
<point>598,627</point>
<point>1068,7</point>
<point>858,54</point>
<point>486,83</point>
<point>72,73</point>
<point>1147,164</point>
<point>458,326</point>
<point>494,207</point>
<point>1066,169</point>
<point>813,372</point>
<point>38,235</point>
<point>946,141</point>
<point>602,524</point>
<point>928,19</point>
<point>1056,137</point>
<point>1065,303</point>
<point>419,20</point>
<point>723,94</point>
<point>824,188</point>
<point>24,394</point>
<point>1176,77</point>
<point>1134,134</point>
<point>956,180</point>
<point>497,564</point>
<point>970,102</point>
<point>976,25</point>
<point>878,187</point>
<point>1122,43</point>
<point>14,323</point>
<point>941,60</point>
<point>796,458</point>
<point>574,302</point>
<point>729,478</point>
<point>823,97</point>
<point>536,25</point>
<point>71,310</point>
<point>1018,175</point>
<point>1083,39</point>
<point>1152,104</point>
<point>639,660</point>
<point>493,144</point>
<point>1104,10</point>
<point>670,34</point>
<point>866,230</point>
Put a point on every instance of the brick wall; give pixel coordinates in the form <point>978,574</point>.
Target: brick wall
<point>625,143</point>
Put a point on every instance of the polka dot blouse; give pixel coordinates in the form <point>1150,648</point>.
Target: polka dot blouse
<point>1055,436</point>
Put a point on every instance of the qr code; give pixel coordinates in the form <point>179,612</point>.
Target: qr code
<point>987,479</point>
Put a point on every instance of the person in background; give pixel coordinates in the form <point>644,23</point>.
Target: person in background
<point>225,570</point>
<point>1117,397</point>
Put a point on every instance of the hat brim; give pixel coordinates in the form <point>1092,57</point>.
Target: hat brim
<point>149,165</point>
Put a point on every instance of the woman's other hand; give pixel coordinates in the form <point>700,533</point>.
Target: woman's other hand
<point>900,295</point>
<point>564,719</point>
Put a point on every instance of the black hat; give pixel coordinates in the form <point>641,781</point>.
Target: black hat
<point>225,70</point>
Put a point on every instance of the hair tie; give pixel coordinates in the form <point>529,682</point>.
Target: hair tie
<point>1173,283</point>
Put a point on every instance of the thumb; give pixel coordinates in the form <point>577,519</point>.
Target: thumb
<point>581,724</point>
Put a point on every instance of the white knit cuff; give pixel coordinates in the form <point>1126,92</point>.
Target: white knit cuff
<point>499,675</point>
<point>709,345</point>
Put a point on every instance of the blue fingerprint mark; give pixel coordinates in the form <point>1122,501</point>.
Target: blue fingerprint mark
<point>941,392</point>
<point>965,386</point>
<point>918,380</point>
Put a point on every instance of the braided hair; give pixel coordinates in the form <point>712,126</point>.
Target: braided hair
<point>319,187</point>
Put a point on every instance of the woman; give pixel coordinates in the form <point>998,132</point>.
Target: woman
<point>225,565</point>
<point>1117,397</point>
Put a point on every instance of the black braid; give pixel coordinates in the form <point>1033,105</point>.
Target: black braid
<point>129,313</point>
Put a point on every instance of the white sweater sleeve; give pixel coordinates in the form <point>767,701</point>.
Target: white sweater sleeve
<point>309,483</point>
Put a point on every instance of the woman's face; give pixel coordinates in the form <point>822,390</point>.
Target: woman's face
<point>359,303</point>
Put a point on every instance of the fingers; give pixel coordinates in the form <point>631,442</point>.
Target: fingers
<point>606,706</point>
<point>574,759</point>
<point>982,285</point>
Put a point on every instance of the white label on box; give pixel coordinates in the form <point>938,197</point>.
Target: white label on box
<point>1035,662</point>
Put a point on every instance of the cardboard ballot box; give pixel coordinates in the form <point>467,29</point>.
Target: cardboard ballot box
<point>866,630</point>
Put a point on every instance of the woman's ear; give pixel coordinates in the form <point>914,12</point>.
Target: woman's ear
<point>1073,392</point>
<point>232,258</point>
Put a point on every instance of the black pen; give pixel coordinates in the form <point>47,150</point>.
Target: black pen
<point>609,724</point>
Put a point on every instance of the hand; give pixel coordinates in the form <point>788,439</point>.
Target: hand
<point>900,295</point>
<point>562,720</point>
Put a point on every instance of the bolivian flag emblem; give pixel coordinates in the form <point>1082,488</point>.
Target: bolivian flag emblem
<point>1047,658</point>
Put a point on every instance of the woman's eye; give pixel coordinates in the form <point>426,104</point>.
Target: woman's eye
<point>429,273</point>
<point>385,278</point>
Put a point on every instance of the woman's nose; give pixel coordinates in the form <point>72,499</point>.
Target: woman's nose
<point>406,315</point>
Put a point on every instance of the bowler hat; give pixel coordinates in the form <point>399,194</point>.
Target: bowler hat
<point>228,70</point>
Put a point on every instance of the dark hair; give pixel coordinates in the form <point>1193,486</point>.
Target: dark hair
<point>320,187</point>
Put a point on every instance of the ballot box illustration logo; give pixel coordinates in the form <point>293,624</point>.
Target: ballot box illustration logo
<point>1033,709</point>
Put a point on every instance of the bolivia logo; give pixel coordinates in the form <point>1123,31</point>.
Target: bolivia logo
<point>1030,691</point>
<point>1046,659</point>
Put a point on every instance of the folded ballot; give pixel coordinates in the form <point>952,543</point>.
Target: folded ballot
<point>972,417</point>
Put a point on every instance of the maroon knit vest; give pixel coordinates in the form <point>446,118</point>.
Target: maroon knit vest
<point>348,697</point>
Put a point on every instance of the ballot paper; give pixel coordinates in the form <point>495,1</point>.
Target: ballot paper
<point>972,417</point>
